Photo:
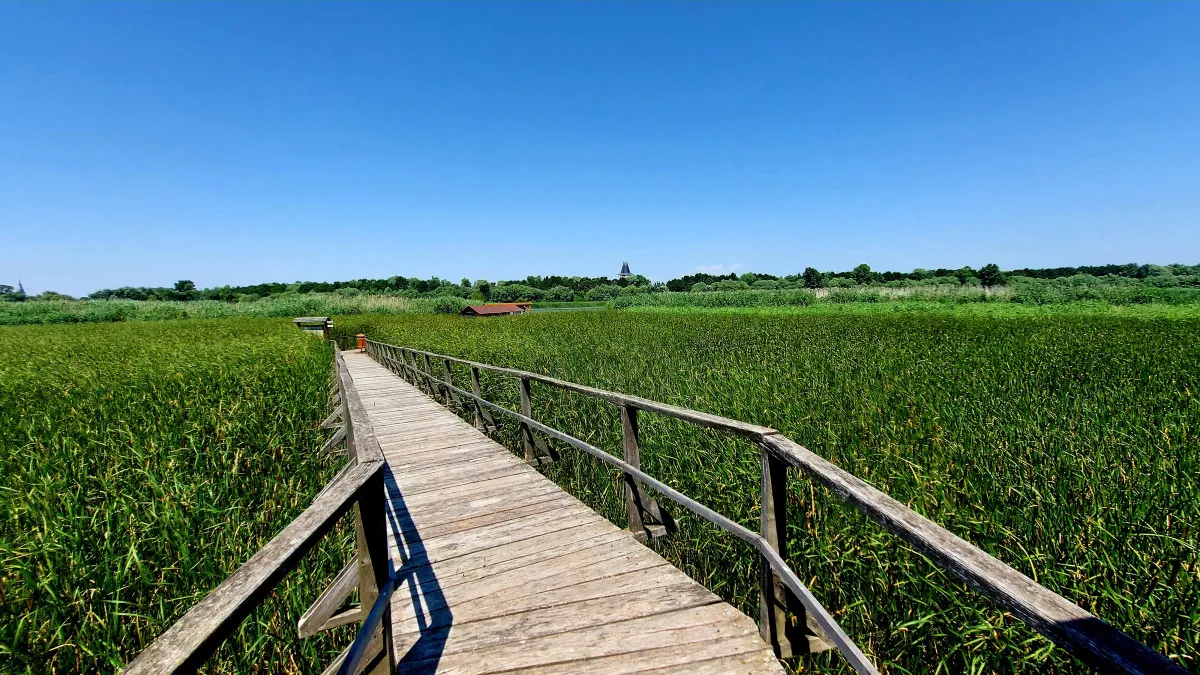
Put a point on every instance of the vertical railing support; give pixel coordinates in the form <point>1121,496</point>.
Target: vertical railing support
<point>408,375</point>
<point>633,456</point>
<point>776,602</point>
<point>372,554</point>
<point>646,518</point>
<point>526,430</point>
<point>433,389</point>
<point>475,389</point>
<point>773,624</point>
<point>448,378</point>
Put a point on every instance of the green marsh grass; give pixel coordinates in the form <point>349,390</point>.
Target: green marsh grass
<point>142,464</point>
<point>1066,445</point>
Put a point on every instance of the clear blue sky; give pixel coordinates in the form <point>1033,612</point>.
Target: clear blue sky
<point>247,142</point>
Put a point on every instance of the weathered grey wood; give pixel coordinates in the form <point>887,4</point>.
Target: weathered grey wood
<point>751,431</point>
<point>562,618</point>
<point>526,432</point>
<point>489,561</point>
<point>189,641</point>
<point>334,440</point>
<point>512,548</point>
<point>372,658</point>
<point>1066,624</point>
<point>724,656</point>
<point>776,602</point>
<point>694,625</point>
<point>632,455</point>
<point>330,422</point>
<point>819,615</point>
<point>483,418</point>
<point>316,619</point>
<point>448,377</point>
<point>429,379</point>
<point>549,593</point>
<point>566,581</point>
<point>651,520</point>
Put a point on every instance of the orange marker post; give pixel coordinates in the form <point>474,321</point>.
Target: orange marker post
<point>362,342</point>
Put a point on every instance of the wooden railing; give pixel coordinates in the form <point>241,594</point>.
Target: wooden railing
<point>1090,639</point>
<point>359,486</point>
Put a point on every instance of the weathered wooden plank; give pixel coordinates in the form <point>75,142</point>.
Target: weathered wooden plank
<point>588,565</point>
<point>189,641</point>
<point>725,656</point>
<point>470,605</point>
<point>534,551</point>
<point>694,625</point>
<point>454,479</point>
<point>1065,623</point>
<point>457,517</point>
<point>487,536</point>
<point>499,630</point>
<point>334,440</point>
<point>504,483</point>
<point>314,620</point>
<point>751,660</point>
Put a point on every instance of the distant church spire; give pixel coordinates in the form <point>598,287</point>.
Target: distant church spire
<point>625,273</point>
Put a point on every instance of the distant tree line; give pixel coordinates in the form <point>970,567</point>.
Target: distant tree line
<point>552,288</point>
<point>987,276</point>
<point>556,288</point>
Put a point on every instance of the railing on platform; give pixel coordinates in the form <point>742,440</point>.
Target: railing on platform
<point>1090,639</point>
<point>192,639</point>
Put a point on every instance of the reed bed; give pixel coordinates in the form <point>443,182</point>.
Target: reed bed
<point>142,464</point>
<point>1067,446</point>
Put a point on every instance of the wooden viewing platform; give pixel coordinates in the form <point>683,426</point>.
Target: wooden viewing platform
<point>470,561</point>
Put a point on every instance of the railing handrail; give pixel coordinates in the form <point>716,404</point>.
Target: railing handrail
<point>753,432</point>
<point>1089,638</point>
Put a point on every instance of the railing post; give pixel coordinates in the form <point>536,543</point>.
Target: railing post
<point>773,624</point>
<point>776,602</point>
<point>370,535</point>
<point>526,430</point>
<point>647,520</point>
<point>448,378</point>
<point>404,360</point>
<point>429,380</point>
<point>370,529</point>
<point>475,389</point>
<point>632,455</point>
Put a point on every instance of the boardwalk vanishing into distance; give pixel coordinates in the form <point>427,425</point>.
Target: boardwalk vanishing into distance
<point>501,569</point>
<point>469,560</point>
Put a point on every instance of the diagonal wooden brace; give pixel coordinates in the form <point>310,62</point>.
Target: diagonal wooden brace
<point>323,614</point>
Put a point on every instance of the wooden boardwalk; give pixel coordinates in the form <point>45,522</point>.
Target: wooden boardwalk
<point>500,570</point>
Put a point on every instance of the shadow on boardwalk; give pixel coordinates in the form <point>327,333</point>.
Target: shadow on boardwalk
<point>416,577</point>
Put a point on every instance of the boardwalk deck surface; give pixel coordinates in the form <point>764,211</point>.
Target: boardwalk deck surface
<point>501,570</point>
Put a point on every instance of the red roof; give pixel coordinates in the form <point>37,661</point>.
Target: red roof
<point>494,308</point>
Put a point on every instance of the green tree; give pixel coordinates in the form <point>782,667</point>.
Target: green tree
<point>862,274</point>
<point>813,278</point>
<point>990,275</point>
<point>184,286</point>
<point>484,287</point>
<point>963,273</point>
<point>560,294</point>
